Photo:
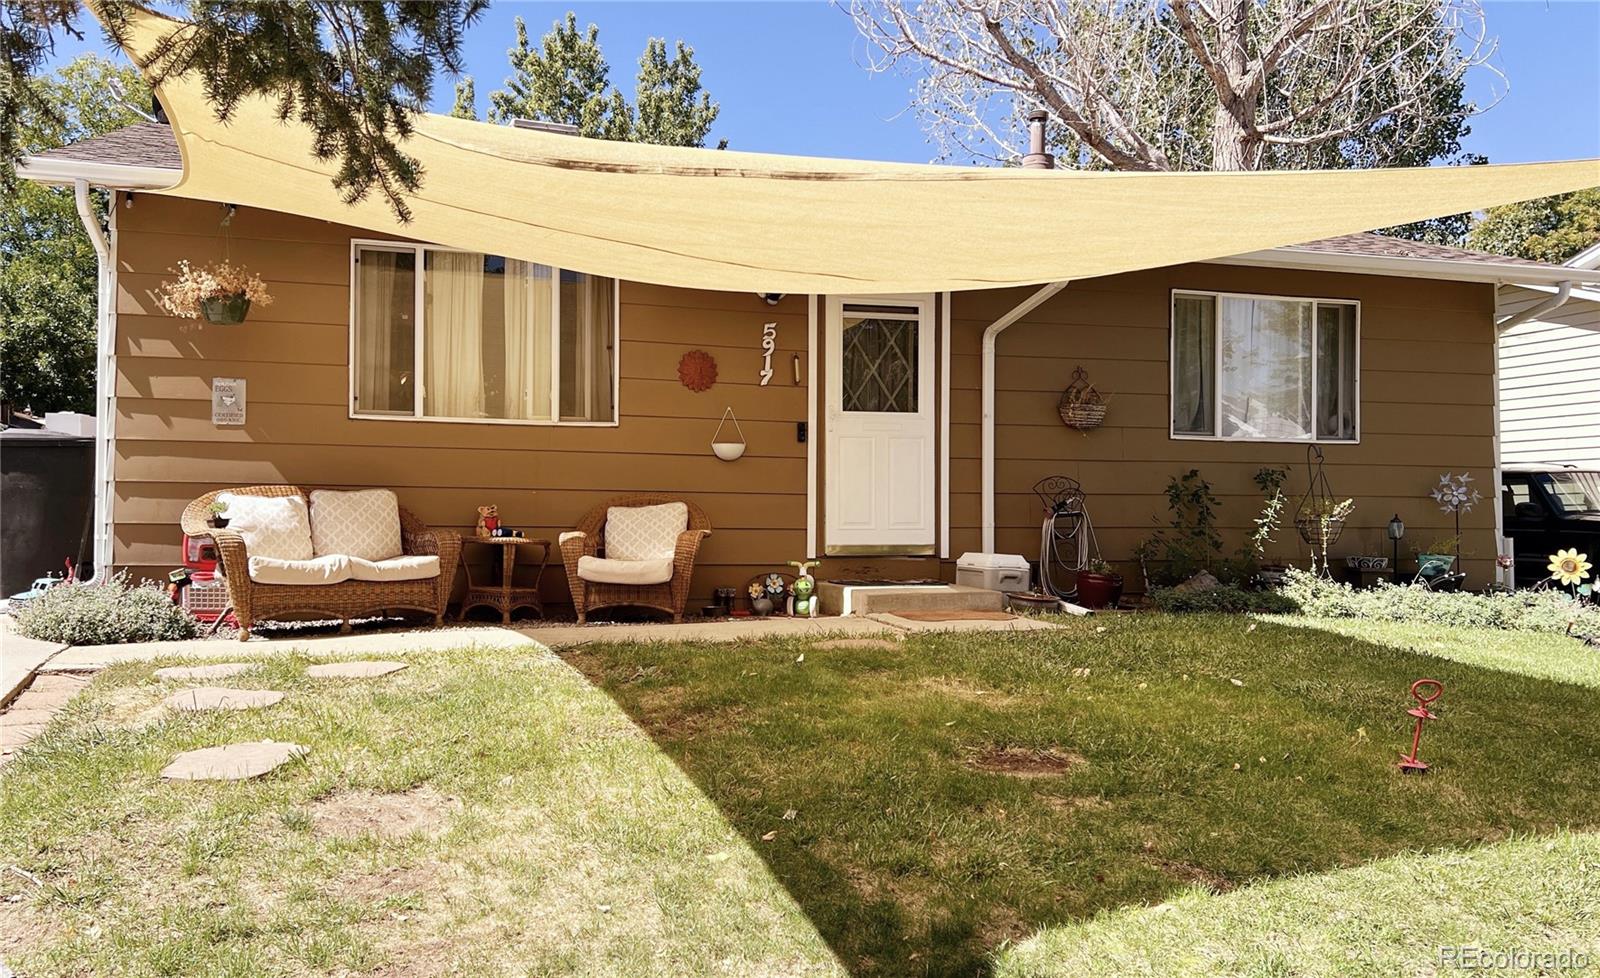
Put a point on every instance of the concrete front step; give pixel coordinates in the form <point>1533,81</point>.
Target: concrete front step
<point>841,599</point>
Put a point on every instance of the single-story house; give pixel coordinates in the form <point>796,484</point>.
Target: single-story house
<point>549,389</point>
<point>1550,373</point>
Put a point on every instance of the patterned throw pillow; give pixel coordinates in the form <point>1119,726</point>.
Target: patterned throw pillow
<point>645,532</point>
<point>272,526</point>
<point>364,523</point>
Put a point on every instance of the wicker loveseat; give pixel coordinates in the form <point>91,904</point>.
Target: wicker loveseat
<point>597,580</point>
<point>255,601</point>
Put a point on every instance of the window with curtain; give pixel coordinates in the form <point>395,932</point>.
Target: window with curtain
<point>499,339</point>
<point>1264,368</point>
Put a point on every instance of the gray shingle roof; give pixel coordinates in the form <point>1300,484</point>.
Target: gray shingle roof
<point>1381,246</point>
<point>141,144</point>
<point>151,144</point>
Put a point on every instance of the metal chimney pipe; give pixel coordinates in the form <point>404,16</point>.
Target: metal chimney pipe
<point>1037,158</point>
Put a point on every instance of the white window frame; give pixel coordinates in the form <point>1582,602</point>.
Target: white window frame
<point>419,347</point>
<point>1216,407</point>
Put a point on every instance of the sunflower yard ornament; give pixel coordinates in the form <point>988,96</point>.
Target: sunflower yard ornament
<point>1569,568</point>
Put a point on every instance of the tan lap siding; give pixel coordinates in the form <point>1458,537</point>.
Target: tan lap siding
<point>294,358</point>
<point>1427,360</point>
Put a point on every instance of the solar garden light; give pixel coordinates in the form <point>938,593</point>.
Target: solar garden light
<point>1397,529</point>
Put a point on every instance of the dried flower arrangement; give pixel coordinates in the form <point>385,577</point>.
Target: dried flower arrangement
<point>221,293</point>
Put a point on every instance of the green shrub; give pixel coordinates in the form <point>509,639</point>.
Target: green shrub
<point>1532,611</point>
<point>1226,599</point>
<point>104,614</point>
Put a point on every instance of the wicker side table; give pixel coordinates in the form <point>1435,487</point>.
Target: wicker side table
<point>504,595</point>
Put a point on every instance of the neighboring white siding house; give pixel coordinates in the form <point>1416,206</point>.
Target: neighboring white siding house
<point>1550,377</point>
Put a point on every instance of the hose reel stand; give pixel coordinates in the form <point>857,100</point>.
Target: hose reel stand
<point>1066,537</point>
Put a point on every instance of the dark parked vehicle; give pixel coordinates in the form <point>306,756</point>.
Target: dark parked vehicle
<point>1549,508</point>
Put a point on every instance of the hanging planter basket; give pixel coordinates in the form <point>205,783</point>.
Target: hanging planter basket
<point>728,451</point>
<point>1082,407</point>
<point>225,310</point>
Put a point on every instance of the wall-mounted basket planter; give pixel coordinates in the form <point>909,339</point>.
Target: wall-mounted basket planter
<point>1081,405</point>
<point>728,451</point>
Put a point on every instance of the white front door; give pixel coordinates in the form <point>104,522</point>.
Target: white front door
<point>880,426</point>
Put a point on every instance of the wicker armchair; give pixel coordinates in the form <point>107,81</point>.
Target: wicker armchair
<point>254,602</point>
<point>590,541</point>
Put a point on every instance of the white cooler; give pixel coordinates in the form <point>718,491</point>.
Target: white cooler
<point>997,572</point>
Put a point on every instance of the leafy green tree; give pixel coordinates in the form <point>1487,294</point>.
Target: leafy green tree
<point>466,106</point>
<point>47,265</point>
<point>673,110</point>
<point>567,79</point>
<point>356,74</point>
<point>1551,229</point>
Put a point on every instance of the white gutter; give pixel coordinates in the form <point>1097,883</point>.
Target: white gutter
<point>1563,290</point>
<point>1498,273</point>
<point>990,335</point>
<point>43,169</point>
<point>105,399</point>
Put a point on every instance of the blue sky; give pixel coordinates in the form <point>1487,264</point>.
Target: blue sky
<point>790,79</point>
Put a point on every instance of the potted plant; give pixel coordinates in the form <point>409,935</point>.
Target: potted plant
<point>222,294</point>
<point>217,509</point>
<point>760,604</point>
<point>1098,586</point>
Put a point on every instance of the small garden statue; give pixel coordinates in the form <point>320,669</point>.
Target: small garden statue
<point>803,600</point>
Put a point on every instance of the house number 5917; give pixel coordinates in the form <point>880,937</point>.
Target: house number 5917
<point>769,342</point>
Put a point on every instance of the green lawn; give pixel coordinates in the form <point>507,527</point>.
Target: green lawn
<point>1548,656</point>
<point>1386,918</point>
<point>776,808</point>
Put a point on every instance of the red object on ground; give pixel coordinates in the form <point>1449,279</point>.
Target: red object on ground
<point>1425,692</point>
<point>199,553</point>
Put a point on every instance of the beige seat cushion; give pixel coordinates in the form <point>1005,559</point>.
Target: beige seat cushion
<point>362,523</point>
<point>645,532</point>
<point>330,569</point>
<point>272,526</point>
<point>412,567</point>
<point>602,570</point>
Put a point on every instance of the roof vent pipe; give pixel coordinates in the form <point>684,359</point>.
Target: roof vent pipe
<point>1037,158</point>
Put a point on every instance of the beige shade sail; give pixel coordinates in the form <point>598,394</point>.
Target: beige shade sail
<point>765,223</point>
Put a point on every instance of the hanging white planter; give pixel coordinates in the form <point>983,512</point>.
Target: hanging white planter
<point>728,450</point>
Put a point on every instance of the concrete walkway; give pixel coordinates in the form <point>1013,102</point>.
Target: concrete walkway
<point>20,658</point>
<point>85,658</point>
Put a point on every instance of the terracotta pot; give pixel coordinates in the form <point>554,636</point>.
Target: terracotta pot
<point>1099,590</point>
<point>225,310</point>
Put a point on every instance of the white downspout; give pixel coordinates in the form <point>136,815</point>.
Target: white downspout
<point>105,371</point>
<point>990,335</point>
<point>1534,311</point>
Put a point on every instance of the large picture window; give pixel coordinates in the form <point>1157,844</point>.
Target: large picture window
<point>1264,368</point>
<point>439,334</point>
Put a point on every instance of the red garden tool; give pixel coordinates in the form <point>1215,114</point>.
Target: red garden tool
<point>1425,692</point>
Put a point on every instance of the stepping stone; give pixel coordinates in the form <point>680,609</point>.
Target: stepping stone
<point>858,643</point>
<point>219,698</point>
<point>219,671</point>
<point>353,670</point>
<point>233,762</point>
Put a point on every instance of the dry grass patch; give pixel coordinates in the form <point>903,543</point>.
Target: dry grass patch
<point>1026,762</point>
<point>350,814</point>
